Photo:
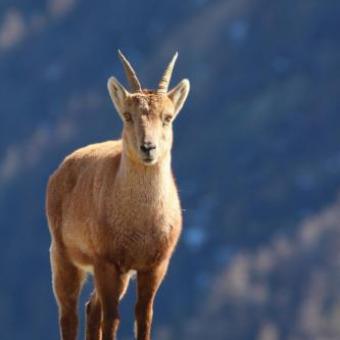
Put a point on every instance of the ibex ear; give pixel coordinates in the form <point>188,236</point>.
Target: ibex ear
<point>179,94</point>
<point>118,94</point>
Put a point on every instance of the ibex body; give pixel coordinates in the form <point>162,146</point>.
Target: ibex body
<point>113,207</point>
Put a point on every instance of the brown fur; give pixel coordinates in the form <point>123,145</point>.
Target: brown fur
<point>110,212</point>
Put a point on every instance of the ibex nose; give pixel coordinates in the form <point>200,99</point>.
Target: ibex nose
<point>147,148</point>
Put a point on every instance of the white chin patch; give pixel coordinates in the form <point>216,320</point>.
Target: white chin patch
<point>149,161</point>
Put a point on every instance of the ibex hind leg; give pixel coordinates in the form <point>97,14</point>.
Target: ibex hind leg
<point>110,286</point>
<point>93,318</point>
<point>94,309</point>
<point>67,283</point>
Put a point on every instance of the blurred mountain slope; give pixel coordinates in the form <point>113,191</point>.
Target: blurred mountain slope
<point>256,147</point>
<point>288,289</point>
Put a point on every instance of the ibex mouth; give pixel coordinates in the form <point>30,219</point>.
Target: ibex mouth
<point>149,160</point>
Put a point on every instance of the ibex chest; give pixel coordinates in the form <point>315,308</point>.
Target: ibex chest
<point>141,238</point>
<point>142,220</point>
<point>149,223</point>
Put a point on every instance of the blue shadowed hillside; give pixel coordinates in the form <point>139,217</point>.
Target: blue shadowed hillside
<point>256,156</point>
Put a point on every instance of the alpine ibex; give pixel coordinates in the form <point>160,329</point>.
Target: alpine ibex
<point>113,208</point>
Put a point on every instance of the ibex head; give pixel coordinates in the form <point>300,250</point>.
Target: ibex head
<point>147,114</point>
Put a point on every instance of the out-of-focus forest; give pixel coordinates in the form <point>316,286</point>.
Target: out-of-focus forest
<point>256,156</point>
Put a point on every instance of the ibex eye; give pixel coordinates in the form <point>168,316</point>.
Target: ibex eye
<point>167,119</point>
<point>127,117</point>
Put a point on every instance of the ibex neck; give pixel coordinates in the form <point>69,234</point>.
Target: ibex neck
<point>145,183</point>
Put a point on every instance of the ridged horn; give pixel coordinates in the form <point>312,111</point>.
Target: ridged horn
<point>165,81</point>
<point>130,73</point>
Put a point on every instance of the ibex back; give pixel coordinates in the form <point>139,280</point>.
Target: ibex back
<point>113,208</point>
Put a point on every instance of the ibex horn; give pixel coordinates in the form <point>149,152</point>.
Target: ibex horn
<point>130,73</point>
<point>165,81</point>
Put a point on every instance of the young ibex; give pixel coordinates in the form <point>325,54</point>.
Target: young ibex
<point>113,208</point>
